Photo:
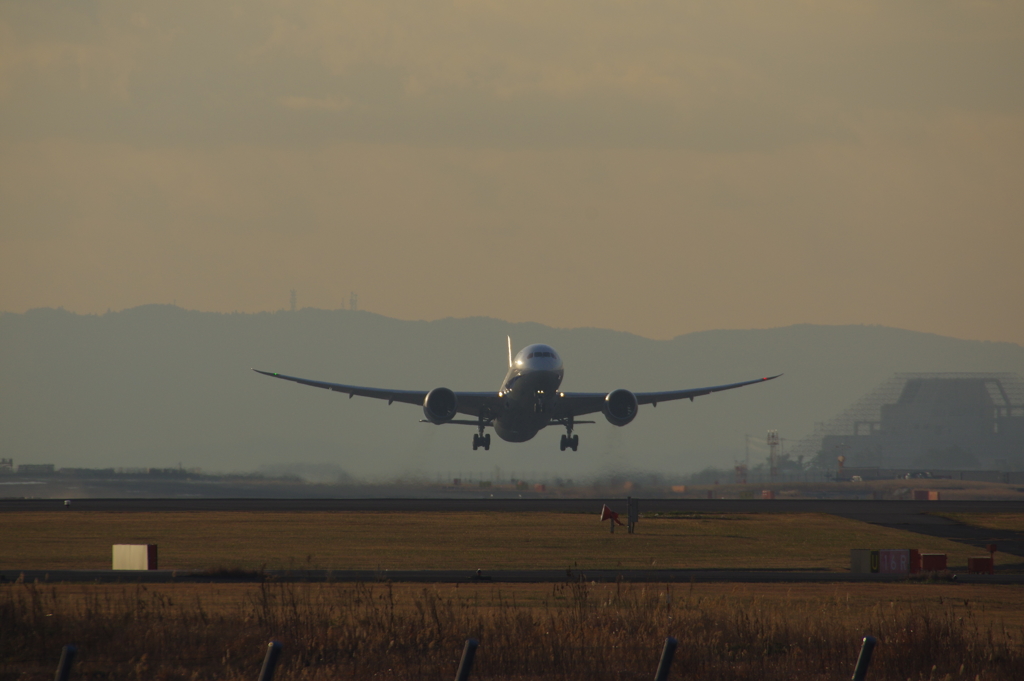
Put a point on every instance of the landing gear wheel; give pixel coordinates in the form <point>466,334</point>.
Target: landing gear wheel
<point>476,441</point>
<point>574,442</point>
<point>563,443</point>
<point>486,442</point>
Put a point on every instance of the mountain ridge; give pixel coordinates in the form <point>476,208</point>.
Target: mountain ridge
<point>157,385</point>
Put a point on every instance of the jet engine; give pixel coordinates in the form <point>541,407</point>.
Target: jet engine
<point>620,407</point>
<point>440,405</point>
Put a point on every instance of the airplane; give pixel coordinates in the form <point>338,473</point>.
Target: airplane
<point>529,400</point>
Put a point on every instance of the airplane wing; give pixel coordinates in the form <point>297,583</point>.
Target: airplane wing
<point>578,404</point>
<point>468,403</point>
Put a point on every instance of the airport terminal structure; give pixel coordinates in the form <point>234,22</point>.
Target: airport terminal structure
<point>919,421</point>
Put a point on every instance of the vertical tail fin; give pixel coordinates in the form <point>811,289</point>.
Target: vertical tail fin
<point>509,351</point>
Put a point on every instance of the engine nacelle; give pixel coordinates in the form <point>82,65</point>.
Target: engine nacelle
<point>440,405</point>
<point>620,407</point>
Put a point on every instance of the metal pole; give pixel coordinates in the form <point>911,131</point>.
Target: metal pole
<point>466,665</point>
<point>67,656</point>
<point>270,661</point>
<point>667,653</point>
<point>864,661</point>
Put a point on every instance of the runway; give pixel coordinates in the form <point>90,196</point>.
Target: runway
<point>472,577</point>
<point>860,509</point>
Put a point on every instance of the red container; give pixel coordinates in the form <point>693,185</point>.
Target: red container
<point>933,562</point>
<point>982,565</point>
<point>767,494</point>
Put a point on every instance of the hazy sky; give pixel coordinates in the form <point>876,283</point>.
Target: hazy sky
<point>655,167</point>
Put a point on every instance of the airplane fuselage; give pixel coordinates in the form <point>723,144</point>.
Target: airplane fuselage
<point>529,393</point>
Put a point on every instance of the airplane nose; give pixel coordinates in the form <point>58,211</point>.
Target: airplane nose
<point>539,358</point>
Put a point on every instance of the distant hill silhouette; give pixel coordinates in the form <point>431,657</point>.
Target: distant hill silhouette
<point>157,385</point>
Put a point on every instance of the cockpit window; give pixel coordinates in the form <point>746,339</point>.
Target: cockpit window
<point>529,356</point>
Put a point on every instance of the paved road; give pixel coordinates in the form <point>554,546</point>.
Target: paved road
<point>866,510</point>
<point>1006,541</point>
<point>468,577</point>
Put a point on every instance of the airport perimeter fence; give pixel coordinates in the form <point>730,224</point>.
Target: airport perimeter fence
<point>860,671</point>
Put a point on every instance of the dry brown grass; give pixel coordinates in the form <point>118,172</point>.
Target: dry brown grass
<point>565,631</point>
<point>80,540</point>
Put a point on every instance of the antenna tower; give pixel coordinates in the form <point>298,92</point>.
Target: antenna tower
<point>353,301</point>
<point>773,452</point>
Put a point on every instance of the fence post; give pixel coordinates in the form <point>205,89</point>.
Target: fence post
<point>667,653</point>
<point>864,661</point>
<point>270,661</point>
<point>466,665</point>
<point>67,656</point>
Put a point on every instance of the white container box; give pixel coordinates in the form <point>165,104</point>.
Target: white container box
<point>135,556</point>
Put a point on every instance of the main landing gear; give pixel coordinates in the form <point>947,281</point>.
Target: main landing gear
<point>480,439</point>
<point>569,441</point>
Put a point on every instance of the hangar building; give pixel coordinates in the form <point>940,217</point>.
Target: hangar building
<point>950,421</point>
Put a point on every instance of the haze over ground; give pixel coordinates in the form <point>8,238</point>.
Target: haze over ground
<point>652,168</point>
<point>156,386</point>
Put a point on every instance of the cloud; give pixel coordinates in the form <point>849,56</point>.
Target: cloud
<point>700,75</point>
<point>314,104</point>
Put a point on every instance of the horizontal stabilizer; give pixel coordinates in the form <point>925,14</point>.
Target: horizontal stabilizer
<point>460,422</point>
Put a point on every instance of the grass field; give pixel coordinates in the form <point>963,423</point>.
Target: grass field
<point>564,631</point>
<point>569,631</point>
<point>997,606</point>
<point>79,540</point>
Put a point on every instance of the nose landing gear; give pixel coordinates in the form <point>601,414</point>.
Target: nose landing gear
<point>482,441</point>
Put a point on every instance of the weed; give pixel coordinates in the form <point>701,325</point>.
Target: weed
<point>576,631</point>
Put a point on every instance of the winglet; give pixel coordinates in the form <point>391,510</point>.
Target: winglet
<point>509,351</point>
